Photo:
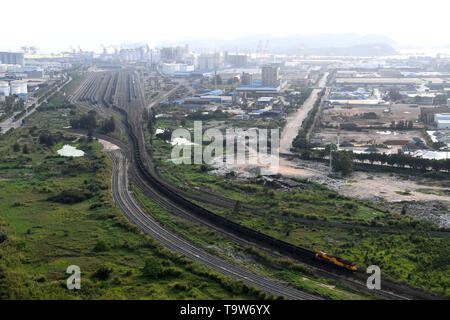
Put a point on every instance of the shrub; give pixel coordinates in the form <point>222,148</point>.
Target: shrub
<point>71,196</point>
<point>3,237</point>
<point>101,246</point>
<point>103,273</point>
<point>152,268</point>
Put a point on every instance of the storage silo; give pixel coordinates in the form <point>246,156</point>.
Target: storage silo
<point>4,88</point>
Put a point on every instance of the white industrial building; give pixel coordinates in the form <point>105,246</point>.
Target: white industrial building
<point>4,88</point>
<point>171,68</point>
<point>19,87</point>
<point>442,120</point>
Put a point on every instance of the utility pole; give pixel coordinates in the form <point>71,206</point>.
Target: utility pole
<point>331,157</point>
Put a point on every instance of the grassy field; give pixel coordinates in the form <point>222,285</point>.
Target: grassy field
<point>314,217</point>
<point>57,211</point>
<point>299,276</point>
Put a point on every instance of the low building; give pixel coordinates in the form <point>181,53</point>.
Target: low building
<point>265,101</point>
<point>443,124</point>
<point>441,116</point>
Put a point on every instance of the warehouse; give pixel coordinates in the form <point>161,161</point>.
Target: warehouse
<point>442,121</point>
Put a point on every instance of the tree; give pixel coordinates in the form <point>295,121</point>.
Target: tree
<point>342,161</point>
<point>101,246</point>
<point>25,149</point>
<point>108,125</point>
<point>16,147</point>
<point>440,99</point>
<point>237,207</point>
<point>152,268</point>
<point>102,273</point>
<point>394,95</point>
<point>287,227</point>
<point>90,136</point>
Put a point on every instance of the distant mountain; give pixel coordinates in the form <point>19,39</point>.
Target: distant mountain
<point>293,43</point>
<point>349,43</point>
<point>376,49</point>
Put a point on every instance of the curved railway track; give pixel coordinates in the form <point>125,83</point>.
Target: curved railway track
<point>136,215</point>
<point>164,194</point>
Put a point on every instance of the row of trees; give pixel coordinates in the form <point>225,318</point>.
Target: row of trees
<point>401,125</point>
<point>343,160</point>
<point>404,160</point>
<point>301,140</point>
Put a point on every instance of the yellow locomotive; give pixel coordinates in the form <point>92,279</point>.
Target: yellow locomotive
<point>336,260</point>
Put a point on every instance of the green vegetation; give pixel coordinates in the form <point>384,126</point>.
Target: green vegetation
<point>342,161</point>
<point>311,216</point>
<point>43,231</point>
<point>268,266</point>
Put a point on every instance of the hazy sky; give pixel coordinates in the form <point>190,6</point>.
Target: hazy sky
<point>51,24</point>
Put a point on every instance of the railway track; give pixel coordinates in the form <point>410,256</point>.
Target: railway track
<point>136,215</point>
<point>158,190</point>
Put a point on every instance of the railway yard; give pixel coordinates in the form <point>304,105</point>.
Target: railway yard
<point>276,224</point>
<point>123,93</point>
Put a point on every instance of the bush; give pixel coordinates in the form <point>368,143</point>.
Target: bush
<point>103,273</point>
<point>3,237</point>
<point>101,246</point>
<point>71,196</point>
<point>152,269</point>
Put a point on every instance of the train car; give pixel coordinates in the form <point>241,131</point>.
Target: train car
<point>336,260</point>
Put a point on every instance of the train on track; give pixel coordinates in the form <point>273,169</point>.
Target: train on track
<point>336,260</point>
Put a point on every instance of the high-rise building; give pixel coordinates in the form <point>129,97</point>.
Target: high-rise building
<point>236,60</point>
<point>209,61</point>
<point>270,75</point>
<point>11,58</point>
<point>174,54</point>
<point>247,78</point>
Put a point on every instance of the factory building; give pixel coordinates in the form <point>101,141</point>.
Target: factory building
<point>270,75</point>
<point>19,87</point>
<point>442,120</point>
<point>172,68</point>
<point>12,58</point>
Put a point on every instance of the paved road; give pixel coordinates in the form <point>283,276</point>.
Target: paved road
<point>294,121</point>
<point>136,215</point>
<point>11,123</point>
